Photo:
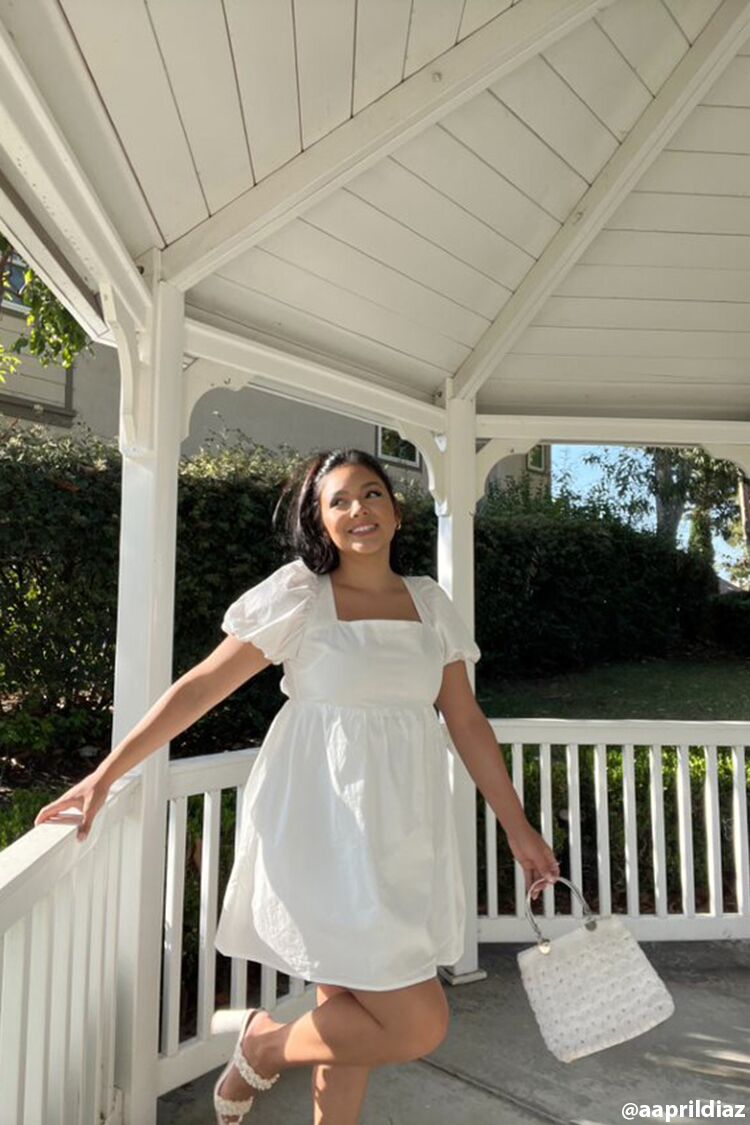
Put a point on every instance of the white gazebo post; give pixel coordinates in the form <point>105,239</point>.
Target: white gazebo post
<point>455,504</point>
<point>150,435</point>
<point>740,454</point>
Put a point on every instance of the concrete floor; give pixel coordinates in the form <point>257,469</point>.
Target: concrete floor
<point>494,1069</point>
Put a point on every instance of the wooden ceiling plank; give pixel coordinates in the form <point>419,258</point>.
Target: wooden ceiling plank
<point>453,78</point>
<point>193,41</point>
<point>433,28</point>
<point>121,51</point>
<point>324,34</point>
<point>390,239</point>
<point>262,35</point>
<point>382,31</point>
<point>682,91</point>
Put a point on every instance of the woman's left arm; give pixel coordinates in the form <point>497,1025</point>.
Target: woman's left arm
<point>476,744</point>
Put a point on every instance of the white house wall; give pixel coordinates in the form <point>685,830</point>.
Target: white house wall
<point>31,383</point>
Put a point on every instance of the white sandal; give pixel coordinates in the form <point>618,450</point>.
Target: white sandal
<point>236,1110</point>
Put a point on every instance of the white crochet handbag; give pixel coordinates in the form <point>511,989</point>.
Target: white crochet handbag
<point>591,987</point>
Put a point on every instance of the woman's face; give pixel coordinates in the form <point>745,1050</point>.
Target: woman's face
<point>353,496</point>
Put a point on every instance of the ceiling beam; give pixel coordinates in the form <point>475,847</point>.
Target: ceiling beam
<point>49,209</point>
<point>693,76</point>
<point>451,79</point>
<point>518,429</point>
<point>33,243</point>
<point>247,362</point>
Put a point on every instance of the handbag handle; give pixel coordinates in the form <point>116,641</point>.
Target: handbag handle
<point>542,941</point>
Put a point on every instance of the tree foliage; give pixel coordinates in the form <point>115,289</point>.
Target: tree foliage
<point>54,336</point>
<point>675,482</point>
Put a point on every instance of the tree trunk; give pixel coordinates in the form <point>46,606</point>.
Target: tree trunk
<point>669,508</point>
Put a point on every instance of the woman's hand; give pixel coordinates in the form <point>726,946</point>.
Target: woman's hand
<point>535,856</point>
<point>87,795</point>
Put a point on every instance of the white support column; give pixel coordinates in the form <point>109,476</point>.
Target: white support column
<point>150,436</point>
<point>455,559</point>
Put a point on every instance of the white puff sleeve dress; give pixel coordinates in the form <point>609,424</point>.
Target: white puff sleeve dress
<point>347,870</point>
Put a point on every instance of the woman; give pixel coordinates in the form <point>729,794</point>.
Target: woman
<point>347,872</point>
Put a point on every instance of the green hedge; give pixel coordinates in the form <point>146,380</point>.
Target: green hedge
<point>730,618</point>
<point>559,585</point>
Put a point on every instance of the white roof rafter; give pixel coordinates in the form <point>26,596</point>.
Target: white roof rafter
<point>38,153</point>
<point>693,76</point>
<point>454,77</point>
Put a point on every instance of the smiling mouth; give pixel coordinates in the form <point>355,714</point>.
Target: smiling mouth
<point>366,529</point>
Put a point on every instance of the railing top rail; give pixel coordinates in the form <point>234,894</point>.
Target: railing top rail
<point>32,865</point>
<point>199,774</point>
<point>641,732</point>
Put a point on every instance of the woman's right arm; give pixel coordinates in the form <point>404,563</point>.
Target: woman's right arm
<point>231,664</point>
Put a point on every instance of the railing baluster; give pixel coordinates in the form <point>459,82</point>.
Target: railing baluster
<point>109,979</point>
<point>79,998</point>
<point>37,1037</point>
<point>296,986</point>
<point>545,791</point>
<point>602,827</point>
<point>713,832</point>
<point>238,971</point>
<point>520,884</point>
<point>174,899</point>
<point>630,819</point>
<point>208,907</point>
<point>740,834</point>
<point>62,926</point>
<point>685,831</point>
<point>14,1018</point>
<point>575,845</point>
<point>490,852</point>
<point>93,1021</point>
<point>269,987</point>
<point>658,840</point>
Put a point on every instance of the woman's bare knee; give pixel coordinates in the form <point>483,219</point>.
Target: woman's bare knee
<point>417,1016</point>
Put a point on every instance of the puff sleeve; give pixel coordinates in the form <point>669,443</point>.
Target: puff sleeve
<point>458,643</point>
<point>272,614</point>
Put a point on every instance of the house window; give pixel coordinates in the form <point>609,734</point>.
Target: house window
<point>11,295</point>
<point>536,459</point>
<point>392,447</point>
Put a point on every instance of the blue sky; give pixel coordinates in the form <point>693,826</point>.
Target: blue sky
<point>584,477</point>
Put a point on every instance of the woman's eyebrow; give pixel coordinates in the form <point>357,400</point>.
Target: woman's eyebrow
<point>365,485</point>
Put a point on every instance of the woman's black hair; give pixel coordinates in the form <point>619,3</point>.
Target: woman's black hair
<point>302,527</point>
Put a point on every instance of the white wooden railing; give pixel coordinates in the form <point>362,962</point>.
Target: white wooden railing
<point>61,903</point>
<point>717,742</point>
<point>182,1060</point>
<point>60,915</point>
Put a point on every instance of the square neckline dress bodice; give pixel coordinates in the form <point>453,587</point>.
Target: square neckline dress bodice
<point>347,868</point>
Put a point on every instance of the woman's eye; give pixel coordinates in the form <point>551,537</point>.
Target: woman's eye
<point>377,492</point>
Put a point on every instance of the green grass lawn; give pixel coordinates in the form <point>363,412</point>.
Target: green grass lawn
<point>711,688</point>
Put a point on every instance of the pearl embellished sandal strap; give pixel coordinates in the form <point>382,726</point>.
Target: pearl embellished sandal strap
<point>229,1108</point>
<point>251,1076</point>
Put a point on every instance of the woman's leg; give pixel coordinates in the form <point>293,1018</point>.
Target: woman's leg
<point>338,1091</point>
<point>354,1027</point>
